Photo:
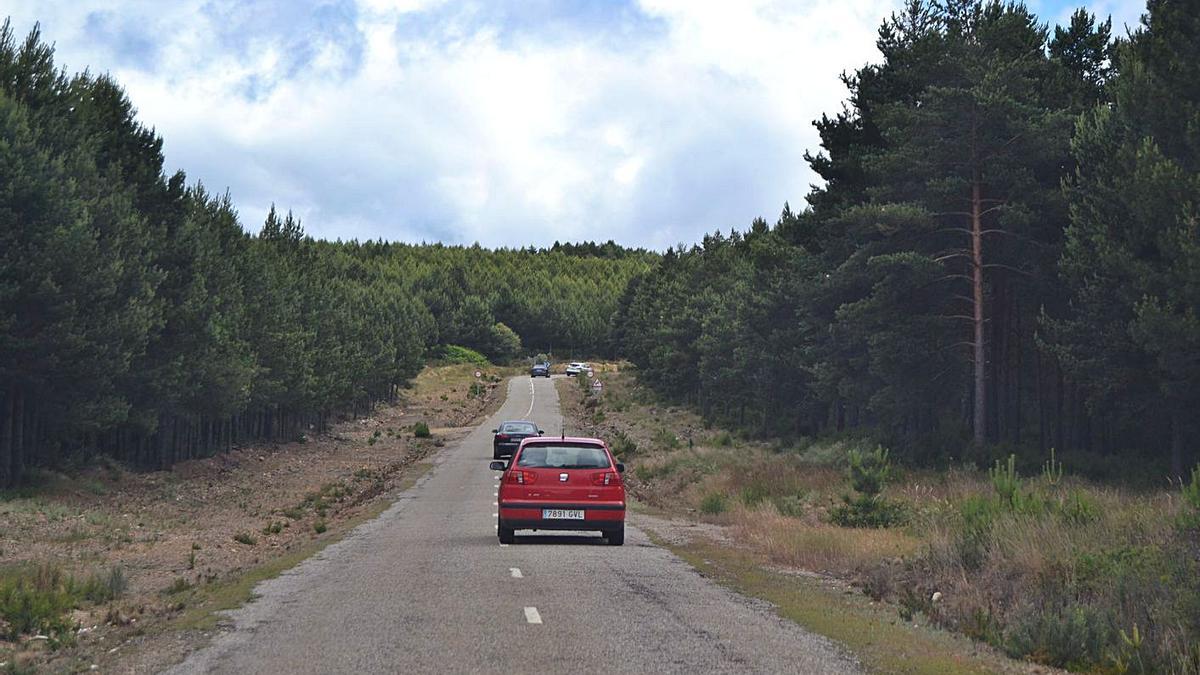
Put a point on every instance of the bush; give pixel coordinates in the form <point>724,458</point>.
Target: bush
<point>35,600</point>
<point>622,445</point>
<point>665,439</point>
<point>869,473</point>
<point>274,527</point>
<point>450,354</point>
<point>791,506</point>
<point>319,527</point>
<point>421,430</point>
<point>754,494</point>
<point>105,587</point>
<point>713,504</point>
<point>1074,637</point>
<point>245,538</point>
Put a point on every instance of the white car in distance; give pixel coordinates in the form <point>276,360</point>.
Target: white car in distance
<point>576,367</point>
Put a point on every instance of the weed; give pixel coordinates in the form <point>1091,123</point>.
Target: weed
<point>664,439</point>
<point>622,445</point>
<point>1190,517</point>
<point>421,430</point>
<point>191,565</point>
<point>245,538</point>
<point>754,494</point>
<point>295,513</point>
<point>723,439</point>
<point>713,504</point>
<point>792,505</point>
<point>105,587</point>
<point>274,527</point>
<point>320,527</point>
<point>179,585</point>
<point>35,600</point>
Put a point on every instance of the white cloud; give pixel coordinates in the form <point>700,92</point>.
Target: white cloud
<point>428,120</point>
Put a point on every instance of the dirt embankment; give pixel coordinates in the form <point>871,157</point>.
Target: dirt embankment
<point>175,543</point>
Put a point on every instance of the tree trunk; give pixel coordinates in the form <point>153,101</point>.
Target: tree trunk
<point>1178,440</point>
<point>6,430</point>
<point>980,403</point>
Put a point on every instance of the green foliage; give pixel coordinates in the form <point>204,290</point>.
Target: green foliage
<point>35,600</point>
<point>274,527</point>
<point>1072,637</point>
<point>456,354</point>
<point>421,430</point>
<point>245,538</point>
<point>869,473</point>
<point>1007,483</point>
<point>622,445</point>
<point>320,527</point>
<point>1052,471</point>
<point>179,585</point>
<point>713,504</point>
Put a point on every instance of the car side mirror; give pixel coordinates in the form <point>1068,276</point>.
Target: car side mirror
<point>495,431</point>
<point>541,431</point>
<point>498,466</point>
<point>620,467</point>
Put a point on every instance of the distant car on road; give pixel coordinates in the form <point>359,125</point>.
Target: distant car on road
<point>540,370</point>
<point>508,437</point>
<point>561,484</point>
<point>578,367</point>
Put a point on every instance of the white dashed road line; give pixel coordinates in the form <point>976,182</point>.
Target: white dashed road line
<point>532,616</point>
<point>516,572</point>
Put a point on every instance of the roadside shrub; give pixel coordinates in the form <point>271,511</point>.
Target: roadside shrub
<point>723,439</point>
<point>274,527</point>
<point>104,587</point>
<point>421,430</point>
<point>245,538</point>
<point>179,585</point>
<point>713,504</point>
<point>456,354</point>
<point>1074,636</point>
<point>869,473</point>
<point>319,527</point>
<point>476,390</point>
<point>791,505</point>
<point>754,494</point>
<point>622,444</point>
<point>665,439</point>
<point>35,600</point>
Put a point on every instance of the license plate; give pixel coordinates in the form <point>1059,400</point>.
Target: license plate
<point>561,514</point>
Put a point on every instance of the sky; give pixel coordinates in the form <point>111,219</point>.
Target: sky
<point>504,123</point>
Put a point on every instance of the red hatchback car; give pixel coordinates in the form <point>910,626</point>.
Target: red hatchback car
<point>562,484</point>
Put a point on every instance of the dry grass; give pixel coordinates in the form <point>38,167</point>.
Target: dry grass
<point>820,547</point>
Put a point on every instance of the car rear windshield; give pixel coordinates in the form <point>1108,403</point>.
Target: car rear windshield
<point>545,456</point>
<point>518,428</point>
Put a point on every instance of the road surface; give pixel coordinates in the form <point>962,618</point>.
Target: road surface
<point>426,587</point>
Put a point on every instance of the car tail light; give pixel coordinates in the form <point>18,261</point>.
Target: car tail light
<point>522,477</point>
<point>605,478</point>
<point>502,437</point>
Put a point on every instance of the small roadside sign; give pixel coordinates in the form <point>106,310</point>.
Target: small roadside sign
<point>478,374</point>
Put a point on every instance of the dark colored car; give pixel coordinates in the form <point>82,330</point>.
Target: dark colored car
<point>540,370</point>
<point>561,484</point>
<point>508,437</point>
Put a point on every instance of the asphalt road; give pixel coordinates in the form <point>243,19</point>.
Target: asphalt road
<point>426,587</point>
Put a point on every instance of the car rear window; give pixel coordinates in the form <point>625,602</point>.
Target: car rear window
<point>518,428</point>
<point>545,456</point>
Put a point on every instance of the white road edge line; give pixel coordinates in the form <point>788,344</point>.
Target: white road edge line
<point>532,397</point>
<point>516,572</point>
<point>532,616</point>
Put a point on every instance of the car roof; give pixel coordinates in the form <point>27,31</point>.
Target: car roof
<point>577,440</point>
<point>518,422</point>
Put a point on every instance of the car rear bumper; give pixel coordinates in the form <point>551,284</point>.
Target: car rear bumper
<point>528,516</point>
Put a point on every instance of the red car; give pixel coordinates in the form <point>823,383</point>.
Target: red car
<point>562,484</point>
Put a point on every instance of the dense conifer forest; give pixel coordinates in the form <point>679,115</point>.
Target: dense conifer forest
<point>140,320</point>
<point>1004,255</point>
